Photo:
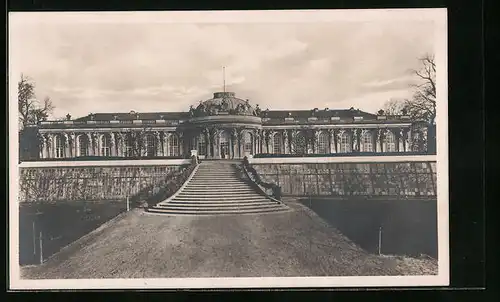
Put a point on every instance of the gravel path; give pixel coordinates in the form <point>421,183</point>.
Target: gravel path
<point>143,245</point>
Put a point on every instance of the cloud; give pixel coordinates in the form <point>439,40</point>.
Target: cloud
<point>167,67</point>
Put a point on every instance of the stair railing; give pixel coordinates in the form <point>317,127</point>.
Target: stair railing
<point>193,172</point>
<point>257,182</point>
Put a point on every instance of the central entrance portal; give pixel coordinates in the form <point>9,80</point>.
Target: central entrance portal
<point>224,145</point>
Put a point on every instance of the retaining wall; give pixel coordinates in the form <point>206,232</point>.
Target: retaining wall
<point>361,176</point>
<point>93,180</point>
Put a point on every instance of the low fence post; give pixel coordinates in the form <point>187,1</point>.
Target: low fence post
<point>34,240</point>
<point>380,240</point>
<point>40,240</point>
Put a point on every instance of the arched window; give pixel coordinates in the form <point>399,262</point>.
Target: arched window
<point>277,143</point>
<point>367,142</point>
<point>300,143</point>
<point>83,145</point>
<point>247,143</point>
<point>105,145</point>
<point>173,145</point>
<point>129,145</point>
<point>59,146</point>
<point>345,143</point>
<point>150,145</point>
<point>390,142</point>
<point>323,143</point>
<point>202,145</point>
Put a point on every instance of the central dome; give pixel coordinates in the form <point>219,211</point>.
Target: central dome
<point>225,101</point>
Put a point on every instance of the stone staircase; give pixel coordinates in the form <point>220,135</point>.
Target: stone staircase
<point>217,188</point>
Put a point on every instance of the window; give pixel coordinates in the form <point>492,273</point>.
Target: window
<point>83,143</point>
<point>367,142</point>
<point>323,143</point>
<point>59,146</point>
<point>277,144</point>
<point>345,143</point>
<point>300,143</point>
<point>105,145</point>
<point>390,142</point>
<point>129,145</point>
<point>202,145</point>
<point>173,145</point>
<point>248,142</point>
<point>150,145</point>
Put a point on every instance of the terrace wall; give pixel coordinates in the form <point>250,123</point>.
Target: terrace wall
<point>93,180</point>
<point>361,176</point>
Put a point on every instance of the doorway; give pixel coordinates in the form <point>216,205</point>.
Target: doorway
<point>224,145</point>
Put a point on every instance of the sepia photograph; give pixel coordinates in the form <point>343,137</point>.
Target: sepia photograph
<point>228,149</point>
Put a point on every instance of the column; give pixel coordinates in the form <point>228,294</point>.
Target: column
<point>112,144</point>
<point>355,140</point>
<point>182,138</point>
<point>50,145</point>
<point>43,146</point>
<point>408,140</point>
<point>166,135</point>
<point>376,140</point>
<point>286,142</point>
<point>331,140</point>
<point>158,144</point>
<point>316,141</point>
<point>66,145</point>
<point>400,140</point>
<point>233,146</point>
<point>269,141</point>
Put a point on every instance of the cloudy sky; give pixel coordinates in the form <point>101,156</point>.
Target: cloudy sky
<point>119,66</point>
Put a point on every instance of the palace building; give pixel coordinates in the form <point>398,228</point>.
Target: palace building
<point>227,127</point>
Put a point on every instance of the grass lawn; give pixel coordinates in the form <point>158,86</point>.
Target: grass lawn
<point>409,227</point>
<point>143,245</point>
<point>60,223</point>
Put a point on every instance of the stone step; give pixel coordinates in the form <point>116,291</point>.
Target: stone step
<point>218,212</point>
<point>220,198</point>
<point>232,189</point>
<point>217,187</point>
<point>217,193</point>
<point>216,204</point>
<point>226,207</point>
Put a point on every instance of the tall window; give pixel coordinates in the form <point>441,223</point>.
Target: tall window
<point>105,145</point>
<point>83,145</point>
<point>390,142</point>
<point>345,143</point>
<point>248,143</point>
<point>129,145</point>
<point>300,143</point>
<point>202,145</point>
<point>277,144</point>
<point>173,145</point>
<point>59,146</point>
<point>323,143</point>
<point>150,145</point>
<point>367,142</point>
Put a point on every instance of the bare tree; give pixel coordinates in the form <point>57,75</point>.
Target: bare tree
<point>422,105</point>
<point>393,107</point>
<point>423,102</point>
<point>30,109</point>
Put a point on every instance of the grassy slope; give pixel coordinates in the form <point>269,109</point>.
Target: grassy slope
<point>142,245</point>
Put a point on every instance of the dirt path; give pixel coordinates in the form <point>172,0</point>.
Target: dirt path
<point>142,245</point>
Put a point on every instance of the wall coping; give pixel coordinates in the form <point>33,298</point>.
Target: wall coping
<point>98,163</point>
<point>340,159</point>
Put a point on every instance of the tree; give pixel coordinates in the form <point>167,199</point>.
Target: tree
<point>422,105</point>
<point>30,110</point>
